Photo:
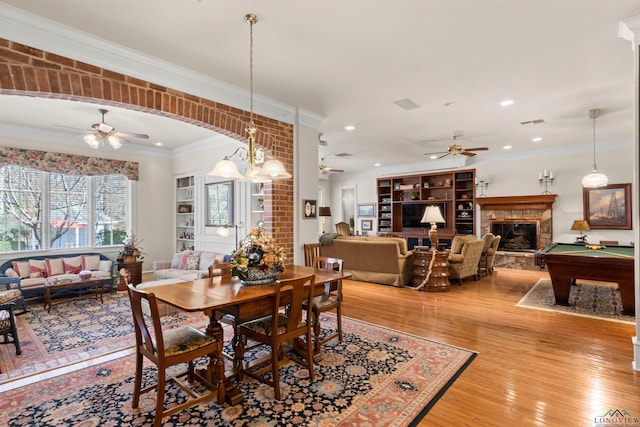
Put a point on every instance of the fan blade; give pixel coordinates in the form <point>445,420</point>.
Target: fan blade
<point>335,170</point>
<point>476,149</point>
<point>70,127</point>
<point>132,135</point>
<point>466,153</point>
<point>437,152</point>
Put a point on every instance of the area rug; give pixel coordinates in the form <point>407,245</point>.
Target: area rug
<point>375,377</point>
<point>585,299</point>
<point>75,331</point>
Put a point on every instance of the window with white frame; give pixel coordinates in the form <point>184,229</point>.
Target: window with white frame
<point>46,210</point>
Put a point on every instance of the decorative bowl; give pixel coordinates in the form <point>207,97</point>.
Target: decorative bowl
<point>84,275</point>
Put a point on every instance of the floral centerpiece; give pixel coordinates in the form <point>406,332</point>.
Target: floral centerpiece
<point>258,258</point>
<point>131,249</point>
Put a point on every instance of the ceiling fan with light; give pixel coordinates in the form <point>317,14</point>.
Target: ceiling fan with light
<point>456,149</point>
<point>101,132</point>
<point>324,169</point>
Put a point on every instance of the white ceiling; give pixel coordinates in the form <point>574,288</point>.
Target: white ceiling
<point>347,61</point>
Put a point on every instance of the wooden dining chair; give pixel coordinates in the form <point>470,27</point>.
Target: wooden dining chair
<point>168,348</point>
<point>280,331</point>
<point>330,300</point>
<point>311,250</point>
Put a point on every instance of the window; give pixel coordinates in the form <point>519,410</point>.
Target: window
<point>81,211</point>
<point>219,203</point>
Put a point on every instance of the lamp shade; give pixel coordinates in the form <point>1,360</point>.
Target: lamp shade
<point>581,225</point>
<point>594,180</point>
<point>324,211</point>
<point>227,169</point>
<point>274,169</point>
<point>432,214</point>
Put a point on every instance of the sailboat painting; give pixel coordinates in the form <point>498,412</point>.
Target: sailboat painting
<point>608,207</point>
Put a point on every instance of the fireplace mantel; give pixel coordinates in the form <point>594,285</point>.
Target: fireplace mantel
<point>540,201</point>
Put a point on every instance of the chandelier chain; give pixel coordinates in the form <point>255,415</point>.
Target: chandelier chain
<point>594,142</point>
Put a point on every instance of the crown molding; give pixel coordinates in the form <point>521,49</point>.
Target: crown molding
<point>42,33</point>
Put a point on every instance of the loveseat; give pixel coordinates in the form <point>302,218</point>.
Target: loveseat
<point>384,260</point>
<point>188,265</point>
<point>35,270</point>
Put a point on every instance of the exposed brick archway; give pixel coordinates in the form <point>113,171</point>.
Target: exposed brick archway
<point>27,71</point>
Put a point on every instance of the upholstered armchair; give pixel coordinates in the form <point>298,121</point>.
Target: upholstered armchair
<point>465,263</point>
<point>491,253</point>
<point>483,265</point>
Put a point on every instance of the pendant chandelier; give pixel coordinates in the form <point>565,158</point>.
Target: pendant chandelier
<point>270,169</point>
<point>594,179</point>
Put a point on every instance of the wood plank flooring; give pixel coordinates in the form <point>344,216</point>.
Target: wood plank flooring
<point>533,368</point>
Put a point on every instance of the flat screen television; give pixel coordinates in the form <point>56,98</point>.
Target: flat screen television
<point>412,214</point>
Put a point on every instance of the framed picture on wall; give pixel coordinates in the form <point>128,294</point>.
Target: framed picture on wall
<point>367,209</point>
<point>366,224</point>
<point>309,208</point>
<point>608,207</point>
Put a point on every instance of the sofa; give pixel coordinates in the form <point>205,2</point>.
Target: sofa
<point>35,270</point>
<point>384,260</point>
<point>188,265</point>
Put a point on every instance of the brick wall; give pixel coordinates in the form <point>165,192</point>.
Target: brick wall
<point>26,71</point>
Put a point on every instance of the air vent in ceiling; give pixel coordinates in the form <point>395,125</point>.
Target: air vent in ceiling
<point>343,155</point>
<point>406,104</point>
<point>533,122</point>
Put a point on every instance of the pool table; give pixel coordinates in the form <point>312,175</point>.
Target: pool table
<point>567,262</point>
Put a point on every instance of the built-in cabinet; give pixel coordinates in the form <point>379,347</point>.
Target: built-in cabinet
<point>256,203</point>
<point>185,213</point>
<point>402,201</point>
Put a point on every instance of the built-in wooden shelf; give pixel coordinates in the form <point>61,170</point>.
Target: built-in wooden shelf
<point>540,201</point>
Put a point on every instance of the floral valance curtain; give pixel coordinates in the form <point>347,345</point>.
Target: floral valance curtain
<point>67,163</point>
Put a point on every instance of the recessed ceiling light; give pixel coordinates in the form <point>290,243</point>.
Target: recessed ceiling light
<point>537,139</point>
<point>158,144</point>
<point>506,147</point>
<point>376,164</point>
<point>433,156</point>
<point>506,102</point>
<point>349,127</point>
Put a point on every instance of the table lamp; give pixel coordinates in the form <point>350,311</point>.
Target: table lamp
<point>581,225</point>
<point>432,214</point>
<point>324,211</point>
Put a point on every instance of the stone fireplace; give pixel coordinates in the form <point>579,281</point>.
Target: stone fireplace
<point>525,224</point>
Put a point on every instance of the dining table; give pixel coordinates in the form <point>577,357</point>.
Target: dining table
<point>226,296</point>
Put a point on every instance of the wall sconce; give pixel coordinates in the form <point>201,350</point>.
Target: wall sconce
<point>482,182</point>
<point>323,212</point>
<point>223,230</point>
<point>546,178</point>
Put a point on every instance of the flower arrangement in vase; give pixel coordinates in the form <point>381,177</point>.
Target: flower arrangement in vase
<point>131,251</point>
<point>258,258</point>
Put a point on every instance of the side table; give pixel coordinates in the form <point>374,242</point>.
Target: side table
<point>432,266</point>
<point>135,271</point>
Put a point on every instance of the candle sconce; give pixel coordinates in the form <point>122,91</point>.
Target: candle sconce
<point>482,183</point>
<point>545,178</point>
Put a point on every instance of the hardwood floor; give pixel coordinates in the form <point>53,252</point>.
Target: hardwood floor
<point>533,367</point>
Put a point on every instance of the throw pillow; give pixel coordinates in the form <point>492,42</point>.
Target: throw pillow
<point>22,268</point>
<point>37,268</point>
<point>72,265</point>
<point>192,263</point>
<point>90,262</point>
<point>55,266</point>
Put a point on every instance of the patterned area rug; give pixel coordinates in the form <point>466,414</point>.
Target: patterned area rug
<point>75,331</point>
<point>375,377</point>
<point>585,299</point>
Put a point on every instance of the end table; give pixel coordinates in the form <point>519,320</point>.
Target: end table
<point>135,271</point>
<point>431,270</point>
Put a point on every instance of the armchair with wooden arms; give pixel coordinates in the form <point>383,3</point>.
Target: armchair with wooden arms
<point>10,291</point>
